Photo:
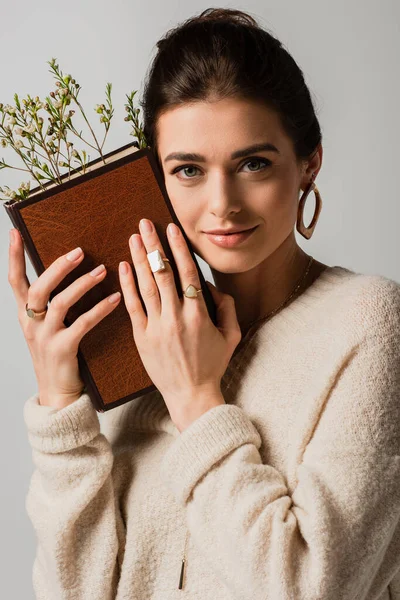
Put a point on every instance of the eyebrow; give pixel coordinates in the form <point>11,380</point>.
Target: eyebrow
<point>237,154</point>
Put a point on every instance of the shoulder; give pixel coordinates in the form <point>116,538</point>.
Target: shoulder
<point>376,303</point>
<point>369,303</point>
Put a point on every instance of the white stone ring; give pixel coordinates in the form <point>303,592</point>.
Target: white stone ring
<point>157,263</point>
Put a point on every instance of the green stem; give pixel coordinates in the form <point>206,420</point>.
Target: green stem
<point>74,131</point>
<point>21,155</point>
<point>91,130</point>
<point>4,165</point>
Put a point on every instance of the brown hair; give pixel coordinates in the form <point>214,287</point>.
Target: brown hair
<point>224,53</point>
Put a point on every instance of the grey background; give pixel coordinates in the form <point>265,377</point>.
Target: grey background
<point>349,52</point>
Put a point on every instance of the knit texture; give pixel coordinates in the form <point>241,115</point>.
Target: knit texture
<point>288,491</point>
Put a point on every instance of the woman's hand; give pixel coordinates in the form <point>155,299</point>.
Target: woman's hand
<point>184,354</point>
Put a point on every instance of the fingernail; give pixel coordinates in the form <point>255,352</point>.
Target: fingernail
<point>146,225</point>
<point>136,241</point>
<point>74,254</point>
<point>123,268</point>
<point>114,297</point>
<point>97,270</point>
<point>173,230</point>
<point>12,237</point>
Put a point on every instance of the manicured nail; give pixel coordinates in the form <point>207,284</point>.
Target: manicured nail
<point>123,268</point>
<point>146,225</point>
<point>173,230</point>
<point>74,254</point>
<point>136,241</point>
<point>114,297</point>
<point>97,270</point>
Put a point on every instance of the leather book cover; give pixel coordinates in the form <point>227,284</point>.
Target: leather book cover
<point>99,211</point>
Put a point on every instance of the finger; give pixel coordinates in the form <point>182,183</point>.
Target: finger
<point>146,283</point>
<point>163,280</point>
<point>227,321</point>
<point>132,301</point>
<point>188,273</point>
<point>85,322</point>
<point>62,302</point>
<point>40,290</point>
<point>17,270</point>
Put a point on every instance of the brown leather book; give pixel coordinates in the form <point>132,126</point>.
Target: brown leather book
<point>99,211</point>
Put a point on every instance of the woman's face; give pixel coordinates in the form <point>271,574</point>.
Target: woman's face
<point>214,190</point>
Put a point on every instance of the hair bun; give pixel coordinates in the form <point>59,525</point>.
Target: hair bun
<point>226,14</point>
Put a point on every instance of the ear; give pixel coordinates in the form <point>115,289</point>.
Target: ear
<point>312,166</point>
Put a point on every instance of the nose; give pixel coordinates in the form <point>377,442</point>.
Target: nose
<point>223,196</point>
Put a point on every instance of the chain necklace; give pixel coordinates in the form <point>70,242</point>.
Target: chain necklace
<point>271,314</point>
<point>265,317</point>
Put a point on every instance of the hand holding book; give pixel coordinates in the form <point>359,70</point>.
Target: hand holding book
<point>53,346</point>
<point>184,353</point>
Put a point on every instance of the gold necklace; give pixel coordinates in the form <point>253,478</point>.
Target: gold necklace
<point>268,316</point>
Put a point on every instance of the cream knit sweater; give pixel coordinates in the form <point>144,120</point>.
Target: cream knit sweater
<point>289,491</point>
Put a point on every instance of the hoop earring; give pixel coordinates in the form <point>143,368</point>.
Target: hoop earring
<point>301,228</point>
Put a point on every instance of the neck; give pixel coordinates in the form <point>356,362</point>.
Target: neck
<point>260,290</point>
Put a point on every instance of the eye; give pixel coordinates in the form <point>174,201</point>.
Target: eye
<point>256,160</point>
<point>253,160</point>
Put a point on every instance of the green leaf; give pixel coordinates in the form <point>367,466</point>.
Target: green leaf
<point>17,102</point>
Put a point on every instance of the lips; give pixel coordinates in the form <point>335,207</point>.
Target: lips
<point>230,240</point>
<point>229,231</point>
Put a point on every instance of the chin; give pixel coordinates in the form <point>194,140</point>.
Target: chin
<point>230,263</point>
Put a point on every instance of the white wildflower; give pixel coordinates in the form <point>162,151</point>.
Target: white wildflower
<point>11,121</point>
<point>12,195</point>
<point>58,104</point>
<point>25,186</point>
<point>39,105</point>
<point>19,144</point>
<point>3,143</point>
<point>63,92</point>
<point>31,128</point>
<point>18,130</point>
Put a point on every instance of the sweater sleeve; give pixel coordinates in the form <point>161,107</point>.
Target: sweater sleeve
<point>328,536</point>
<point>71,503</point>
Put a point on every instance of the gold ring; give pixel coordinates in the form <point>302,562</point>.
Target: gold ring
<point>192,292</point>
<point>32,313</point>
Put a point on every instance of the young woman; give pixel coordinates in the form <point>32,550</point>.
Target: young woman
<point>266,465</point>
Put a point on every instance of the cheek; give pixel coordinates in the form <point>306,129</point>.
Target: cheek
<point>186,207</point>
<point>277,203</point>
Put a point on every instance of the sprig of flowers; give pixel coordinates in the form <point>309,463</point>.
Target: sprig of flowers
<point>46,149</point>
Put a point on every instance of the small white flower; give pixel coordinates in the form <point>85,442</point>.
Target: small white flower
<point>39,105</point>
<point>18,130</point>
<point>10,109</point>
<point>25,186</point>
<point>63,92</point>
<point>31,128</point>
<point>3,143</point>
<point>11,121</point>
<point>19,144</point>
<point>58,104</point>
<point>12,195</point>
